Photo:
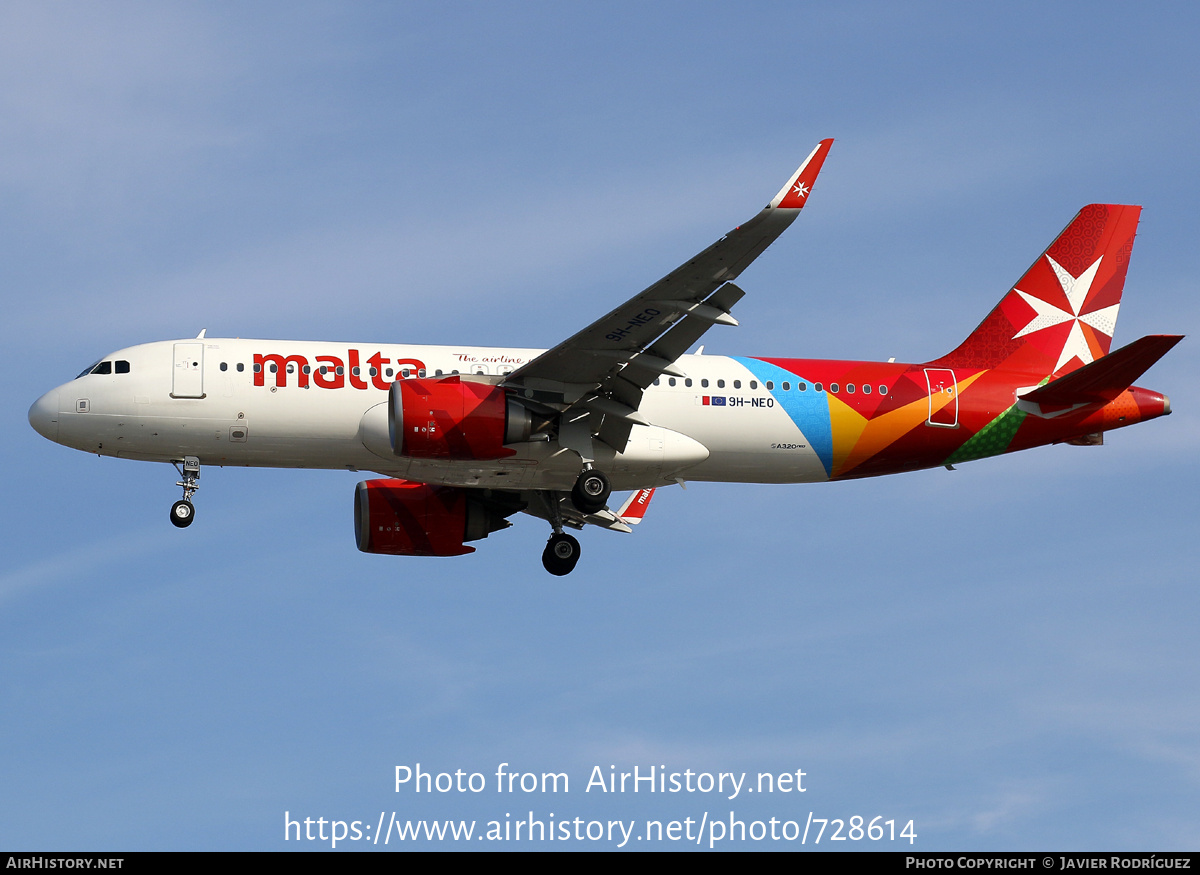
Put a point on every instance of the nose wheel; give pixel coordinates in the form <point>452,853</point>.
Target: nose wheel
<point>561,554</point>
<point>182,514</point>
<point>183,511</point>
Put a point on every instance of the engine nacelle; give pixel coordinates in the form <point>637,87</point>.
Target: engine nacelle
<point>402,518</point>
<point>452,418</point>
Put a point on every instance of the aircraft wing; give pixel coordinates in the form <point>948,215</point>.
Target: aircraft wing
<point>605,367</point>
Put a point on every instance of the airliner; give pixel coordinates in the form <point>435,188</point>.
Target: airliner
<point>463,438</point>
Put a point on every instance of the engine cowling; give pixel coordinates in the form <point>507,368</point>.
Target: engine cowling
<point>452,418</point>
<point>402,518</point>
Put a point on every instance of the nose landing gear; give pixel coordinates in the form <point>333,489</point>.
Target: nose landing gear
<point>182,511</point>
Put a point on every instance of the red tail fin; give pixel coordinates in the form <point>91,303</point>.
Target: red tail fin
<point>1063,311</point>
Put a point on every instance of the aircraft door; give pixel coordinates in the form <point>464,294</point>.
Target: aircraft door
<point>943,397</point>
<point>188,373</point>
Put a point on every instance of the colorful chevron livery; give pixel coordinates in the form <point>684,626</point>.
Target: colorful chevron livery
<point>1037,370</point>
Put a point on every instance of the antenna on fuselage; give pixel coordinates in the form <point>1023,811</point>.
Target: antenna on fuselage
<point>200,336</point>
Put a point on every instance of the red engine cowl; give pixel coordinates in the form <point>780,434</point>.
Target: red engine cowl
<point>416,519</point>
<point>451,418</point>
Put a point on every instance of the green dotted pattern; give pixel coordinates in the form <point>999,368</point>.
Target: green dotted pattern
<point>994,438</point>
<point>991,440</point>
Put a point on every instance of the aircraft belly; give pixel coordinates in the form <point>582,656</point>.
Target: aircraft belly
<point>771,451</point>
<point>222,434</point>
<point>652,456</point>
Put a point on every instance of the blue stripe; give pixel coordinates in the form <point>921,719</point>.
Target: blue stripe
<point>809,410</point>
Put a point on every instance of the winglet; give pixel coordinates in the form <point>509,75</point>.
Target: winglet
<point>634,508</point>
<point>794,195</point>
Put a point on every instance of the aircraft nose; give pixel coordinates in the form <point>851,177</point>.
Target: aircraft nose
<point>43,415</point>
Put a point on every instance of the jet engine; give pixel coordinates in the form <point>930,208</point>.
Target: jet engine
<point>417,519</point>
<point>452,418</point>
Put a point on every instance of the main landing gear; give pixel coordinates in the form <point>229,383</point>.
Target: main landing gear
<point>182,511</point>
<point>589,495</point>
<point>561,554</point>
<point>591,491</point>
<point>562,550</point>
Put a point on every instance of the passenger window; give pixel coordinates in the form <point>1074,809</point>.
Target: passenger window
<point>818,387</point>
<point>737,384</point>
<point>720,384</point>
<point>850,388</point>
<point>883,390</point>
<point>388,372</point>
<point>241,367</point>
<point>224,366</point>
<point>436,373</point>
<point>354,371</point>
<point>306,369</point>
<point>754,384</point>
<point>671,381</point>
<point>291,368</point>
<point>340,371</point>
<point>803,387</point>
<point>374,373</point>
<point>787,387</point>
<point>122,367</point>
<point>404,372</point>
<point>688,382</point>
<point>274,368</point>
<point>704,384</point>
<point>658,381</point>
<point>258,368</point>
<point>866,388</point>
<point>421,373</point>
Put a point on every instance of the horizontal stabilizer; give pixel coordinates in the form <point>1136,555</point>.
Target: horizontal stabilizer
<point>1108,376</point>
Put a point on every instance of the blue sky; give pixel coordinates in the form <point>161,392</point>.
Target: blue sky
<point>1004,654</point>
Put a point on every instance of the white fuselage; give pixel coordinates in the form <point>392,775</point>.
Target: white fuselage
<point>203,397</point>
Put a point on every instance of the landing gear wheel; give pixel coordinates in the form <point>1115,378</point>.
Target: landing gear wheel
<point>560,555</point>
<point>591,491</point>
<point>182,514</point>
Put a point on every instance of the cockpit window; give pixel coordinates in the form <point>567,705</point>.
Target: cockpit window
<point>87,370</point>
<point>122,366</point>
<point>103,368</point>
